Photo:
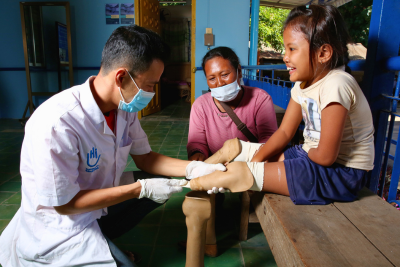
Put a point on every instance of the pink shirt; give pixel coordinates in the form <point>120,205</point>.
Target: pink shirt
<point>209,128</point>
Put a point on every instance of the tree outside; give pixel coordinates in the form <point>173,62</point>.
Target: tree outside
<point>270,27</point>
<point>357,15</point>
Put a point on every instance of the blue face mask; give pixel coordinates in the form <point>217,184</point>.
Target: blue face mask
<point>139,102</point>
<point>227,92</point>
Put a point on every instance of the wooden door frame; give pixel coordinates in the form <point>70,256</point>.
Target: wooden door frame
<point>26,56</point>
<point>193,53</point>
<point>193,47</point>
<point>137,20</point>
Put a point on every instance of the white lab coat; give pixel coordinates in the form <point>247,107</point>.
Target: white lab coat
<point>68,147</point>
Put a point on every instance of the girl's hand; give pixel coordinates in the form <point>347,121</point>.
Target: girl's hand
<point>258,150</point>
<point>333,118</point>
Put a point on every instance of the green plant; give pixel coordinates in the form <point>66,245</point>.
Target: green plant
<point>270,27</point>
<point>357,15</point>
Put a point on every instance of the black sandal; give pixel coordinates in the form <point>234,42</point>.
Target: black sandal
<point>134,257</point>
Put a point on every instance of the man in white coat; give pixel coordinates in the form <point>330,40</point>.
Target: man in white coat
<point>75,196</point>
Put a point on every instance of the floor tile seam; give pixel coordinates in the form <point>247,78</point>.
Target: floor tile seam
<point>257,248</point>
<point>150,224</point>
<point>170,209</point>
<point>156,238</point>
<point>3,182</point>
<point>10,205</point>
<point>241,255</point>
<point>8,198</point>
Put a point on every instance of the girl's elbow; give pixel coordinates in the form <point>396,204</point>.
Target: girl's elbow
<point>328,161</point>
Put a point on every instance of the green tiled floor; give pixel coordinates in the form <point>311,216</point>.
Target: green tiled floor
<point>156,237</point>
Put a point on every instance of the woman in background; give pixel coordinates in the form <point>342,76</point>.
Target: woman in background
<point>210,126</point>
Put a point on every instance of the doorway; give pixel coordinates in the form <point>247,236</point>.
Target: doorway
<point>176,31</point>
<point>175,27</point>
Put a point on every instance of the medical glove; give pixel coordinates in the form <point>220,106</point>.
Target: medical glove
<point>160,189</point>
<point>198,168</point>
<point>216,190</point>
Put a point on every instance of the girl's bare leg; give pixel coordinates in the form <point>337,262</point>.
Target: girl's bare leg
<point>242,176</point>
<point>275,178</point>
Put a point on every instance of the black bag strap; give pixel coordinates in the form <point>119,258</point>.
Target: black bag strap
<point>239,124</point>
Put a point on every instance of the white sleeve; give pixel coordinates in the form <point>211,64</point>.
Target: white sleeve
<point>55,159</point>
<point>140,143</point>
<point>294,92</point>
<point>338,89</point>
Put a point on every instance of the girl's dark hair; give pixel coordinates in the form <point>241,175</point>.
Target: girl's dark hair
<point>321,24</point>
<point>224,52</point>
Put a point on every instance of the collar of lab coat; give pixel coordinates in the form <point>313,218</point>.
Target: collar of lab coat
<point>94,112</point>
<point>89,104</point>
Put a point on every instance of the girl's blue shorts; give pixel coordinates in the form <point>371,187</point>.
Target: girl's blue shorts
<point>312,184</point>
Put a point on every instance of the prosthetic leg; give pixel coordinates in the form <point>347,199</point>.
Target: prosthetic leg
<point>197,209</point>
<point>237,178</point>
<point>227,153</point>
<point>230,150</point>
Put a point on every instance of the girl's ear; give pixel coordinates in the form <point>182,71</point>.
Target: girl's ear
<point>325,54</point>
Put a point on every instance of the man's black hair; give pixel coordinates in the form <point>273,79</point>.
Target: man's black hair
<point>134,48</point>
<point>225,53</point>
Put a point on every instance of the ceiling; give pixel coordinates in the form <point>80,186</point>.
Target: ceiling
<point>293,3</point>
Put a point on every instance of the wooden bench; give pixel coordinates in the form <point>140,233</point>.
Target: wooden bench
<point>365,232</point>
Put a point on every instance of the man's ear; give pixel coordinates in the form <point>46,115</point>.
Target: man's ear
<point>325,53</point>
<point>120,77</point>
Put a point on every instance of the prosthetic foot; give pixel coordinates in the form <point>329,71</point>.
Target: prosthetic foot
<point>237,178</point>
<point>230,150</point>
<point>197,209</point>
<point>234,150</point>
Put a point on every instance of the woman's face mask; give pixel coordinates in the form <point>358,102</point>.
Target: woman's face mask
<point>227,92</point>
<point>139,102</point>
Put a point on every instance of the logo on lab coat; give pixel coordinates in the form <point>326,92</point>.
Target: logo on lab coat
<point>92,160</point>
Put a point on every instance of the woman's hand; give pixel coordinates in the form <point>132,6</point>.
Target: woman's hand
<point>197,157</point>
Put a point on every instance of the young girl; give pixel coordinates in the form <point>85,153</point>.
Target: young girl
<point>338,148</point>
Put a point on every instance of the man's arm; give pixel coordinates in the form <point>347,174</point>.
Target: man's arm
<point>158,164</point>
<point>89,200</point>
